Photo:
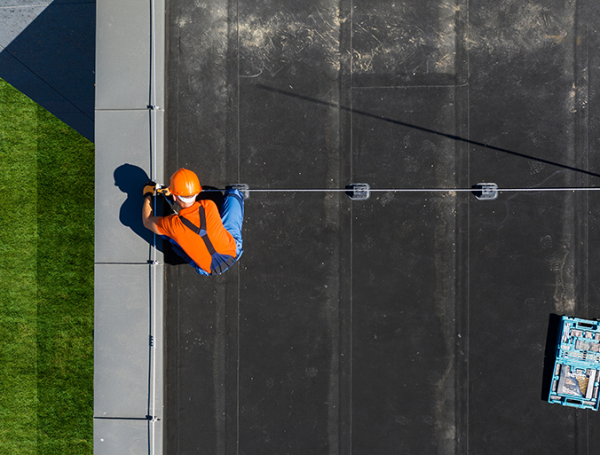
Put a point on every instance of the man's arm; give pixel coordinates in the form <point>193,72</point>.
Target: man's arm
<point>147,218</point>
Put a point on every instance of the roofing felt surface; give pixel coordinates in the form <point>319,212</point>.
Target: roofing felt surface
<point>411,322</point>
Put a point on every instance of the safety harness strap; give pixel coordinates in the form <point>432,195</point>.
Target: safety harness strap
<point>220,262</point>
<point>201,231</point>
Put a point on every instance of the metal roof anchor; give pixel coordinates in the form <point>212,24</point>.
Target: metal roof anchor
<point>358,191</point>
<point>242,188</point>
<point>486,191</point>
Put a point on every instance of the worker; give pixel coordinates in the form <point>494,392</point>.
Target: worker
<point>209,241</point>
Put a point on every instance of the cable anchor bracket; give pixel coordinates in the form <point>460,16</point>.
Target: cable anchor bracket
<point>486,191</point>
<point>242,188</point>
<point>358,191</point>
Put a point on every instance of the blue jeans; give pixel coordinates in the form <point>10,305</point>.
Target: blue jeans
<point>232,216</point>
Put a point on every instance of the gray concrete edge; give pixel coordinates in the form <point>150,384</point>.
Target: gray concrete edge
<point>137,429</point>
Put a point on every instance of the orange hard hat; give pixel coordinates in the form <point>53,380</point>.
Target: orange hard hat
<point>184,183</point>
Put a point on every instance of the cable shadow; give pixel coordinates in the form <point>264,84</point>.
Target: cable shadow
<point>421,128</point>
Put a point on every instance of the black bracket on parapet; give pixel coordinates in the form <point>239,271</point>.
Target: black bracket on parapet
<point>242,188</point>
<point>486,191</point>
<point>358,191</point>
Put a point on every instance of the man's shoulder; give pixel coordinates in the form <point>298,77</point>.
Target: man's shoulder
<point>166,220</point>
<point>169,217</point>
<point>208,204</point>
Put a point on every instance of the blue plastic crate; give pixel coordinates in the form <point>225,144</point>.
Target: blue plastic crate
<point>576,374</point>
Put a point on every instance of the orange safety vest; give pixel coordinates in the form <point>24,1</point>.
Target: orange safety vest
<point>199,231</point>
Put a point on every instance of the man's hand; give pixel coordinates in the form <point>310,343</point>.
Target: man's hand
<point>163,190</point>
<point>149,189</point>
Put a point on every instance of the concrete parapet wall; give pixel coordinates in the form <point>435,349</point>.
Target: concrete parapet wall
<point>128,342</point>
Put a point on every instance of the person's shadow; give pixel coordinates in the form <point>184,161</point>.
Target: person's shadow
<point>130,180</point>
<point>213,194</point>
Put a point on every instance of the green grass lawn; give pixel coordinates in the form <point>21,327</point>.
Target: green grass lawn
<point>46,281</point>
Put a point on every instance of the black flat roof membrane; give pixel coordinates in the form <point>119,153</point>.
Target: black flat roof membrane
<point>409,323</point>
